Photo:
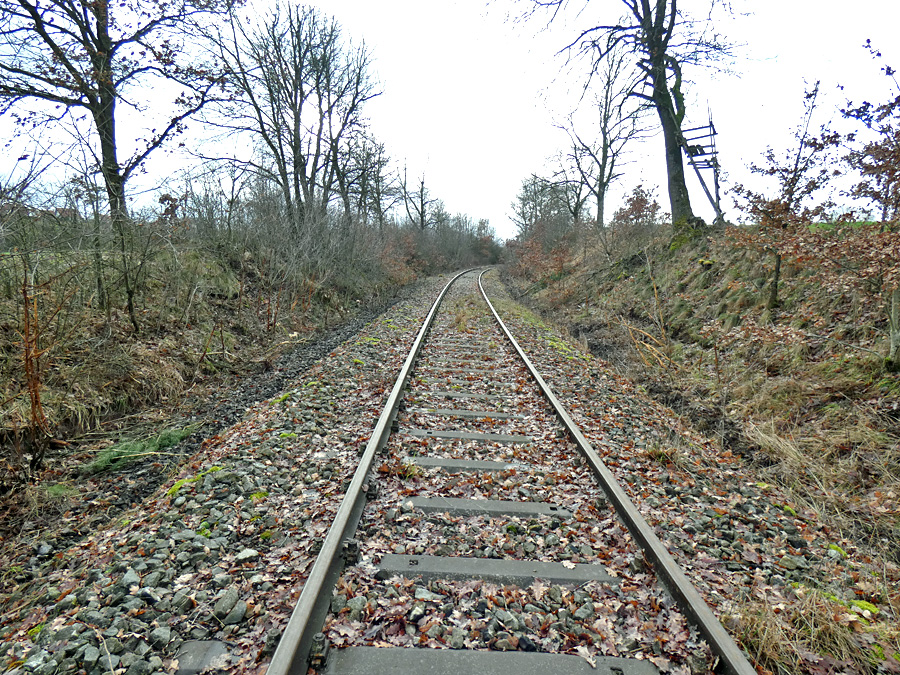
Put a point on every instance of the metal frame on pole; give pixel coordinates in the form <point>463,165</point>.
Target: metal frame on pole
<point>699,146</point>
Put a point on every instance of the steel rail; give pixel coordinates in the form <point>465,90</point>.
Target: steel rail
<point>291,656</point>
<point>675,581</point>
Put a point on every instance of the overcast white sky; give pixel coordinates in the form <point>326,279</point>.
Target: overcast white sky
<point>470,97</point>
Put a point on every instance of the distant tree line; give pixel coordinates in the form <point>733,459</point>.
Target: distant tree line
<point>284,91</point>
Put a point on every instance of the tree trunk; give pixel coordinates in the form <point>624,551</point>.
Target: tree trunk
<point>679,199</point>
<point>893,359</point>
<point>773,290</point>
<point>120,226</point>
<point>669,104</point>
<point>102,299</point>
<point>105,120</point>
<point>115,191</point>
<point>601,208</point>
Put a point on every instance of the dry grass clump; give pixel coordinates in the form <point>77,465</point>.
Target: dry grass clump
<point>86,381</point>
<point>463,312</point>
<point>814,633</point>
<point>673,454</point>
<point>850,472</point>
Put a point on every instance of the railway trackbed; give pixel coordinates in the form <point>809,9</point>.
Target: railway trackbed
<point>482,533</point>
<point>204,575</point>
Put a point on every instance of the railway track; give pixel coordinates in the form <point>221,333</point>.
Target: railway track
<point>482,533</point>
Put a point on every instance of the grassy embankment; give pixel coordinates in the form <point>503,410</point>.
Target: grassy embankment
<point>69,353</point>
<point>799,392</point>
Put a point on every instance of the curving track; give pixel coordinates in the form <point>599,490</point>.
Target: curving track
<point>482,533</point>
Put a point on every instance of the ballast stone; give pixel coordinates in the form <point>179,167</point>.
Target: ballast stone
<point>247,555</point>
<point>196,656</point>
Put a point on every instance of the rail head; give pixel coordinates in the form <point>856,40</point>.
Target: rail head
<point>732,659</point>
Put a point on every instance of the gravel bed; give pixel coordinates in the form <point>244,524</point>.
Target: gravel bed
<point>219,551</point>
<point>633,617</point>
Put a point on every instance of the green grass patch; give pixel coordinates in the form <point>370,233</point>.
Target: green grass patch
<point>122,454</point>
<point>788,509</point>
<point>863,606</point>
<point>60,491</point>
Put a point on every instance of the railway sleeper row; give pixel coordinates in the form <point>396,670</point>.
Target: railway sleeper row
<point>481,541</point>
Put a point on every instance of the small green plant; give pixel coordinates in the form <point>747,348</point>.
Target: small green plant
<point>262,494</point>
<point>663,454</point>
<point>34,631</point>
<point>835,547</point>
<point>268,534</point>
<point>172,491</point>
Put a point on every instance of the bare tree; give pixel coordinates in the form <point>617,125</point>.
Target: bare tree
<point>616,122</point>
<point>367,187</point>
<point>79,58</point>
<point>877,157</point>
<point>800,174</point>
<point>541,211</point>
<point>418,203</point>
<point>663,39</point>
<point>575,191</point>
<point>383,192</point>
<point>299,90</point>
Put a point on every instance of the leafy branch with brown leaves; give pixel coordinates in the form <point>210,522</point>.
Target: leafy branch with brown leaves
<point>800,174</point>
